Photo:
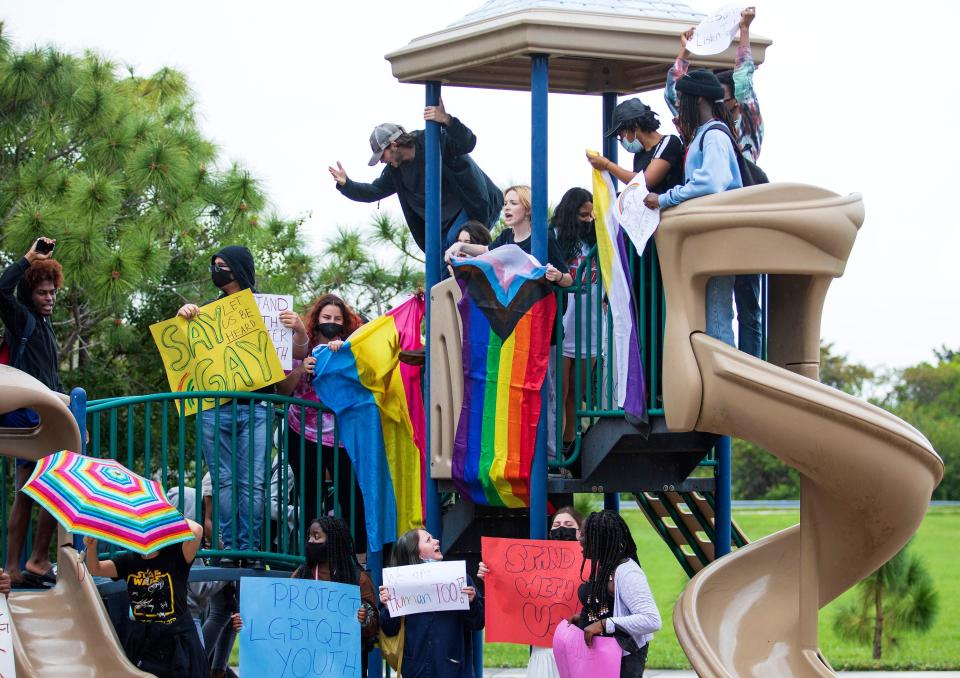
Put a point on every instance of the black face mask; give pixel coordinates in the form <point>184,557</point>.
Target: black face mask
<point>317,552</point>
<point>330,330</point>
<point>563,534</point>
<point>221,278</point>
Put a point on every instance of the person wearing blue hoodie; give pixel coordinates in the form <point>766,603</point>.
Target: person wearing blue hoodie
<point>710,167</point>
<point>232,270</point>
<point>436,644</point>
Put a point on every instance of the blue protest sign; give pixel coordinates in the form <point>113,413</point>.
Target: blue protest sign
<point>299,628</point>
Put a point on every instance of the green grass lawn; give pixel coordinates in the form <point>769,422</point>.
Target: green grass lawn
<point>937,649</point>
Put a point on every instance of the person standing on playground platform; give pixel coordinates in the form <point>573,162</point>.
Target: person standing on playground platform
<point>232,271</point>
<point>740,100</point>
<point>28,291</point>
<point>467,192</point>
<point>711,166</point>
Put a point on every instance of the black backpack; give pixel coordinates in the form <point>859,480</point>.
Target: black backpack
<point>750,173</point>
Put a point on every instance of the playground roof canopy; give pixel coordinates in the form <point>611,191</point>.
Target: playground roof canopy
<point>595,46</point>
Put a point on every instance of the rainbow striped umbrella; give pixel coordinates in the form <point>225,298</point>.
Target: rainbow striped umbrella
<point>101,498</point>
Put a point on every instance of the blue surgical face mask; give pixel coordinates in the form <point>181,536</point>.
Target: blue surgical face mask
<point>631,146</point>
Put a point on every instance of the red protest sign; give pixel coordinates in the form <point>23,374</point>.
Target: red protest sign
<point>531,588</point>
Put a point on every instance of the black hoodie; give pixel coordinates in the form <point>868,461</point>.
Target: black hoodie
<point>240,261</point>
<point>41,355</point>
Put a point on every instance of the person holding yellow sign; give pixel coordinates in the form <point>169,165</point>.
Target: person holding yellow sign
<point>232,271</point>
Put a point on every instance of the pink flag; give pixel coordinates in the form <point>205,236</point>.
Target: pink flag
<point>408,317</point>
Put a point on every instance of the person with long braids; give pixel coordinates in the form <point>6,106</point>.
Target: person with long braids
<point>658,156</point>
<point>616,597</point>
<point>572,226</point>
<point>436,644</point>
<point>331,556</point>
<point>711,167</point>
<point>329,322</point>
<point>565,526</point>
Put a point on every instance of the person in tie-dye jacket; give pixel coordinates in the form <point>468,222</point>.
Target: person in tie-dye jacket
<point>741,101</point>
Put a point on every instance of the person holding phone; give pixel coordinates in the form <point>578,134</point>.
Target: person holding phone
<point>28,292</point>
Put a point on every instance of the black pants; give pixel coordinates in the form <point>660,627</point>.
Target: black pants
<point>167,651</point>
<point>632,665</point>
<point>312,474</point>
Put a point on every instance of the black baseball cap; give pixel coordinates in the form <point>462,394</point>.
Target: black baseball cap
<point>628,110</point>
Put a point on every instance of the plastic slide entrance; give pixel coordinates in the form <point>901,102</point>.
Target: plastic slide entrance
<point>866,476</point>
<point>64,632</point>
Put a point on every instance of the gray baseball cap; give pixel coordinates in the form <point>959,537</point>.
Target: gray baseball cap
<point>625,111</point>
<point>381,137</point>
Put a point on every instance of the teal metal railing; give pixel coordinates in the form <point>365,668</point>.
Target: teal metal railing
<point>151,435</point>
<point>590,369</point>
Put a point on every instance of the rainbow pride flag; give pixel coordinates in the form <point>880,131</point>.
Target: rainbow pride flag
<point>615,271</point>
<point>507,311</point>
<point>364,388</point>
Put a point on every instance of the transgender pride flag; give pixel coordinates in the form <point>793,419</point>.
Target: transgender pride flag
<point>615,270</point>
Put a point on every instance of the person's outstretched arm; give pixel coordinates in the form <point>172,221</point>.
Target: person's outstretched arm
<point>12,312</point>
<point>605,164</point>
<point>751,127</point>
<point>677,71</point>
<point>378,189</point>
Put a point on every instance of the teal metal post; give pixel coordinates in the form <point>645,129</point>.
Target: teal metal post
<point>434,262</point>
<point>611,500</point>
<point>723,510</point>
<point>539,87</point>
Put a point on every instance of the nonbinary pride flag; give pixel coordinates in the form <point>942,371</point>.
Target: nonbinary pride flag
<point>507,312</point>
<point>615,270</point>
<point>362,385</point>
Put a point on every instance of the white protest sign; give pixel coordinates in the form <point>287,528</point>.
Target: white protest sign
<point>716,32</point>
<point>270,306</point>
<point>637,220</point>
<point>429,587</point>
<point>8,667</point>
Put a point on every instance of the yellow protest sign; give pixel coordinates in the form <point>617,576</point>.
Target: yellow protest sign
<point>225,347</point>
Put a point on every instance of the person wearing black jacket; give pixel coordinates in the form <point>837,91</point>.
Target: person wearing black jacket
<point>28,291</point>
<point>467,192</point>
<point>232,271</point>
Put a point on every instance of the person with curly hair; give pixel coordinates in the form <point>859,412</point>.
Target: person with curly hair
<point>28,292</point>
<point>329,322</point>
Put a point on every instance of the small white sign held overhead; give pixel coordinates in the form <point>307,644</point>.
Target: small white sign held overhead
<point>716,32</point>
<point>426,588</point>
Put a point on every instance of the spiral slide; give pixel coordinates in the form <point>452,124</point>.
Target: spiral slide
<point>866,476</point>
<point>64,632</point>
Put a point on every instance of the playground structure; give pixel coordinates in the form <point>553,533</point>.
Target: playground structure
<point>866,475</point>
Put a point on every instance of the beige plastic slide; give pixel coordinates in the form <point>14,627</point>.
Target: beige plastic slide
<point>64,632</point>
<point>866,476</point>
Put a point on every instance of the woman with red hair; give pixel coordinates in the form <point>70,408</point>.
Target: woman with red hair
<point>329,322</point>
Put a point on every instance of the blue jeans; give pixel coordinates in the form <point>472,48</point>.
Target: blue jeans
<point>218,634</point>
<point>746,292</point>
<point>720,308</point>
<point>219,453</point>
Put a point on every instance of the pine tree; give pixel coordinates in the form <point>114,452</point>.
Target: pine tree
<point>113,166</point>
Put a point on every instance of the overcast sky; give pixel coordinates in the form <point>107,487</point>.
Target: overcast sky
<point>289,87</point>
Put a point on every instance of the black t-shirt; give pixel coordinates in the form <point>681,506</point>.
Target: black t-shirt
<point>157,587</point>
<point>554,256</point>
<point>669,149</point>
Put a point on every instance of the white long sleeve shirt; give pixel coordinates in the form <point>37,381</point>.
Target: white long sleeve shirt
<point>634,609</point>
